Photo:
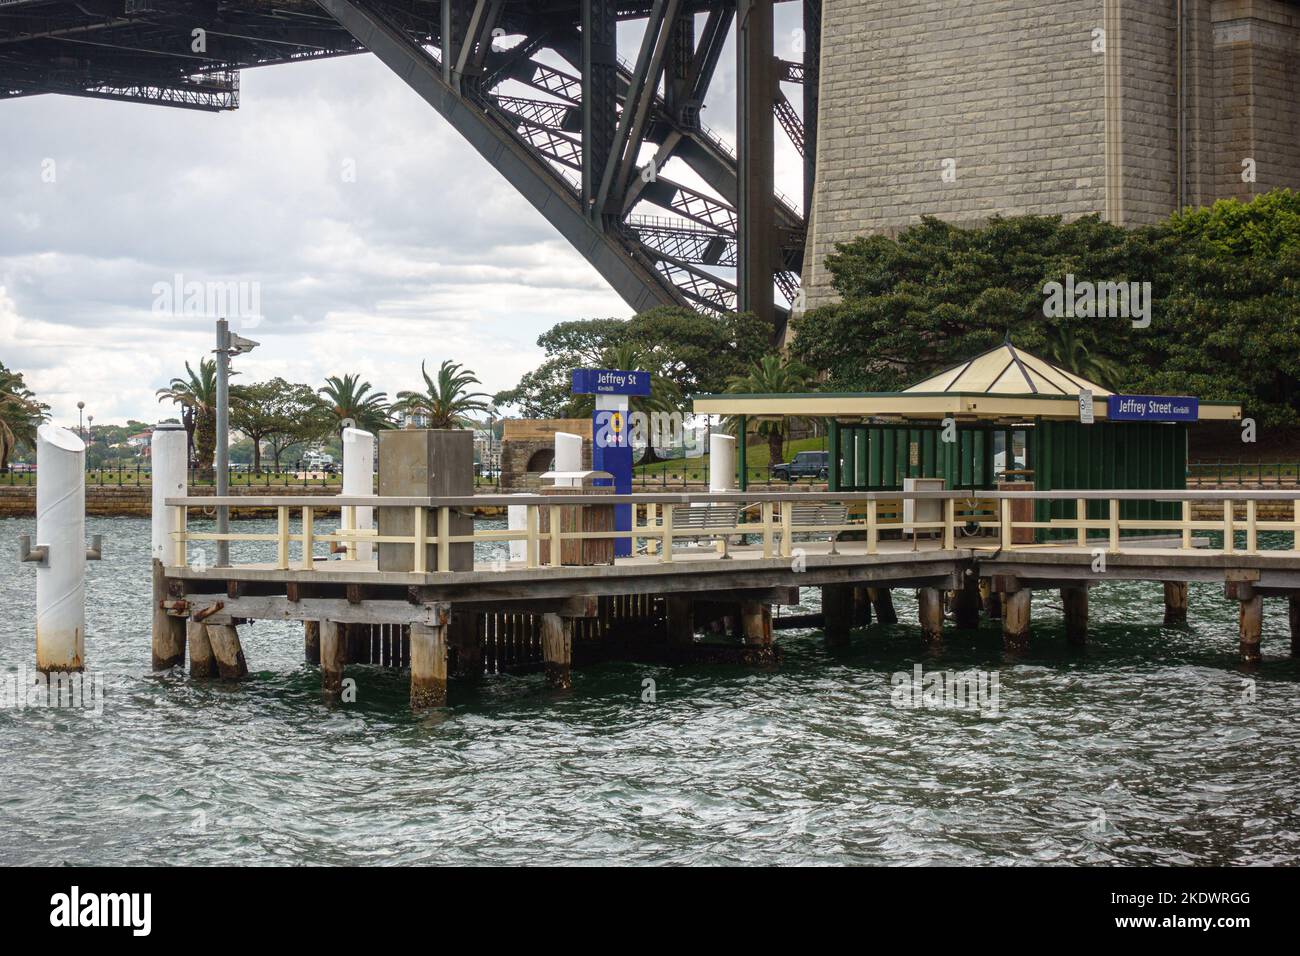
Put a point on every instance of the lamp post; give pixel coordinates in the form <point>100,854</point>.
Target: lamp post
<point>81,431</point>
<point>228,344</point>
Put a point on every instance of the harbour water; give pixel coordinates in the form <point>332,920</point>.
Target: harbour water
<point>1150,746</point>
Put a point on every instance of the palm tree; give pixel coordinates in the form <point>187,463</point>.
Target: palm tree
<point>1071,352</point>
<point>772,374</point>
<point>20,414</point>
<point>350,398</point>
<point>446,402</point>
<point>197,397</point>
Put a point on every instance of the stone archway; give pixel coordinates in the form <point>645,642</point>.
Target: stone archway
<point>528,446</point>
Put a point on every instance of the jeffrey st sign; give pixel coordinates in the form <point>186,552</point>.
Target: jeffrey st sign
<point>599,381</point>
<point>1151,408</point>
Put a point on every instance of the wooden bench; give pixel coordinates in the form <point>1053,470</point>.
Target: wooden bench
<point>710,521</point>
<point>807,517</point>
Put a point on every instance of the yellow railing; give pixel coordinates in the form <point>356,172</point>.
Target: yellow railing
<point>982,521</point>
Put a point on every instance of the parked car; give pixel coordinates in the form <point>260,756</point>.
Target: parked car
<point>806,464</point>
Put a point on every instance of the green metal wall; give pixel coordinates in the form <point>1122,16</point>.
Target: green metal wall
<point>879,457</point>
<point>1108,455</point>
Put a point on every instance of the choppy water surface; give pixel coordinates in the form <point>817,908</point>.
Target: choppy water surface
<point>1150,747</point>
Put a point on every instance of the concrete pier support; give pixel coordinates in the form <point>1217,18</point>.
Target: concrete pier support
<point>1015,619</point>
<point>228,652</point>
<point>428,666</point>
<point>756,623</point>
<point>966,603</point>
<point>882,599</point>
<point>557,650</point>
<point>1075,602</point>
<point>1252,626</point>
<point>332,657</point>
<point>1293,613</point>
<point>930,610</point>
<point>311,642</point>
<point>1175,602</point>
<point>168,631</point>
<point>680,621</point>
<point>837,613</point>
<point>202,664</point>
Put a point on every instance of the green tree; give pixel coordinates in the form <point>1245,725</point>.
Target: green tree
<point>280,414</point>
<point>349,397</point>
<point>20,414</point>
<point>196,394</point>
<point>446,402</point>
<point>772,374</point>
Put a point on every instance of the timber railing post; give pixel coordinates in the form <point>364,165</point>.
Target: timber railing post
<point>419,541</point>
<point>651,520</point>
<point>873,528</point>
<point>1252,536</point>
<point>444,539</point>
<point>949,524</point>
<point>1187,524</point>
<point>282,538</point>
<point>666,533</point>
<point>557,558</point>
<point>787,528</point>
<point>1114,525</point>
<point>533,549</point>
<point>767,529</point>
<point>308,538</point>
<point>1004,524</point>
<point>1229,545</point>
<point>182,552</point>
<point>1081,516</point>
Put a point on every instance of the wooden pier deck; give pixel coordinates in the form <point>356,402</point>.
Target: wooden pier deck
<point>714,564</point>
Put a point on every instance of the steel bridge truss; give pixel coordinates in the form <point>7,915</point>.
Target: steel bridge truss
<point>538,87</point>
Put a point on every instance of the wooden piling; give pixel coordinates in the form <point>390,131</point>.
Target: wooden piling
<point>1075,602</point>
<point>930,610</point>
<point>557,650</point>
<point>1293,612</point>
<point>756,623</point>
<point>333,655</point>
<point>679,620</point>
<point>428,666</point>
<point>992,600</point>
<point>228,652</point>
<point>837,613</point>
<point>168,631</point>
<point>861,608</point>
<point>1175,602</point>
<point>882,599</point>
<point>465,646</point>
<point>1015,619</point>
<point>1252,626</point>
<point>966,604</point>
<point>311,641</point>
<point>202,664</point>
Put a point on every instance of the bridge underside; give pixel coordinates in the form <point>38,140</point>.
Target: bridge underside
<point>611,150</point>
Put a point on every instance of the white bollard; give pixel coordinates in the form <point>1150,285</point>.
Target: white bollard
<point>568,456</point>
<point>169,457</point>
<point>61,532</point>
<point>722,463</point>
<point>359,480</point>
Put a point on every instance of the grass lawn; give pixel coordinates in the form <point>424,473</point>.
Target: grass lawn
<point>756,460</point>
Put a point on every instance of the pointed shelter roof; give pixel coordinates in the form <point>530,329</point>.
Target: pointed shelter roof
<point>1006,370</point>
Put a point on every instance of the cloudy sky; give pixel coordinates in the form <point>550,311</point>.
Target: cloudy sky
<point>424,253</point>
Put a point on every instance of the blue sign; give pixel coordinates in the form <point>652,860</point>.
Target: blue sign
<point>595,381</point>
<point>1152,408</point>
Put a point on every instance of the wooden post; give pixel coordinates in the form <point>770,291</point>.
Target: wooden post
<point>428,666</point>
<point>882,599</point>
<point>227,650</point>
<point>1252,625</point>
<point>202,664</point>
<point>557,650</point>
<point>837,613</point>
<point>1015,619</point>
<point>1293,611</point>
<point>680,619</point>
<point>332,657</point>
<point>930,611</point>
<point>464,641</point>
<point>311,642</point>
<point>168,631</point>
<point>1075,602</point>
<point>756,623</point>
<point>992,600</point>
<point>1175,602</point>
<point>966,603</point>
<point>861,608</point>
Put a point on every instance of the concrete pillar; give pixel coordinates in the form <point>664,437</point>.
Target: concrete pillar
<point>1252,627</point>
<point>359,480</point>
<point>1015,619</point>
<point>756,622</point>
<point>568,456</point>
<point>332,657</point>
<point>680,620</point>
<point>966,604</point>
<point>1175,602</point>
<point>428,666</point>
<point>882,599</point>
<point>168,631</point>
<point>1075,602</point>
<point>722,462</point>
<point>311,642</point>
<point>557,650</point>
<point>202,664</point>
<point>930,611</point>
<point>227,651</point>
<point>61,530</point>
<point>837,613</point>
<point>169,464</point>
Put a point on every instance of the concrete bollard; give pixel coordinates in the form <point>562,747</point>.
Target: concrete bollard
<point>60,553</point>
<point>568,457</point>
<point>722,463</point>
<point>359,480</point>
<point>169,457</point>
